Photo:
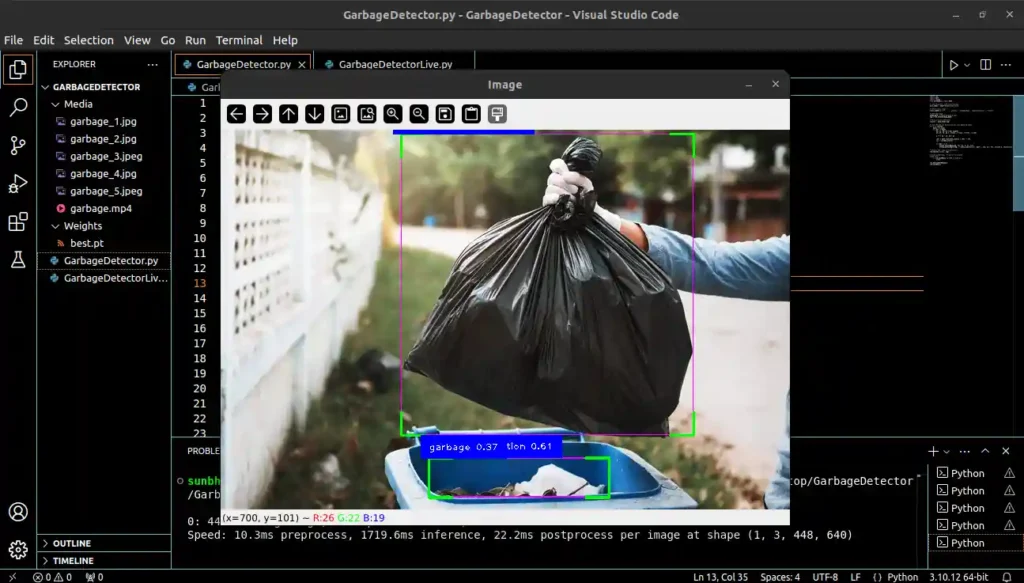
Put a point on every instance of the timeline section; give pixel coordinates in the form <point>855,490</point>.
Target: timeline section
<point>103,283</point>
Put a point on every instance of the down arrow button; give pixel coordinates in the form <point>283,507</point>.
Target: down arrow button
<point>314,113</point>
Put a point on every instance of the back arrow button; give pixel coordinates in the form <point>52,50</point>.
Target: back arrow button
<point>236,114</point>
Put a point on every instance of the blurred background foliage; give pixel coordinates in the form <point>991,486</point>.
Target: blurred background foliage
<point>451,175</point>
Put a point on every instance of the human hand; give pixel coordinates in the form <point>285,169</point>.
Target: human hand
<point>563,181</point>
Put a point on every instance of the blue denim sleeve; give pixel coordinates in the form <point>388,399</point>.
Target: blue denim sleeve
<point>750,270</point>
<point>776,497</point>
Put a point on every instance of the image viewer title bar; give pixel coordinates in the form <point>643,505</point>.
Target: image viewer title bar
<point>471,84</point>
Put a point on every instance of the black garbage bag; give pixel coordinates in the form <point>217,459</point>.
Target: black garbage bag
<point>555,317</point>
<point>380,368</point>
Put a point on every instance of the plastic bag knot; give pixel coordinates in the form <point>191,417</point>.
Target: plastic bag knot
<point>572,211</point>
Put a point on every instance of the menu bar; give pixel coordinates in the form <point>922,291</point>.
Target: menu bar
<point>78,23</point>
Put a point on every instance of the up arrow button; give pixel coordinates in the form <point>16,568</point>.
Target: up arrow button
<point>288,113</point>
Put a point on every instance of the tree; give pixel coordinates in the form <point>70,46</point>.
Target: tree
<point>651,163</point>
<point>337,143</point>
<point>505,173</point>
<point>763,143</point>
<point>451,174</point>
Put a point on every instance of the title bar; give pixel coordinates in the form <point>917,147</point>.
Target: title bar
<point>227,17</point>
<point>418,84</point>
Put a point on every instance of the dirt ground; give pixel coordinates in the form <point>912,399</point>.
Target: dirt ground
<point>741,368</point>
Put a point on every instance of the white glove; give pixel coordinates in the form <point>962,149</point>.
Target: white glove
<point>563,181</point>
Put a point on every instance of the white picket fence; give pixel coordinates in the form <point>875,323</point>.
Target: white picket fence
<point>284,310</point>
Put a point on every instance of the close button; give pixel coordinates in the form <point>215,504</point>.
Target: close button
<point>775,83</point>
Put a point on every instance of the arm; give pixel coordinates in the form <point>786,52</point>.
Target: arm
<point>751,270</point>
<point>777,495</point>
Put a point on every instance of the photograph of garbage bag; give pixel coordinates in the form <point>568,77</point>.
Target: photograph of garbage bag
<point>393,228</point>
<point>555,317</point>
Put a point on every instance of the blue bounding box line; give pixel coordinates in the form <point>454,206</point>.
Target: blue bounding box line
<point>484,446</point>
<point>1018,153</point>
<point>464,132</point>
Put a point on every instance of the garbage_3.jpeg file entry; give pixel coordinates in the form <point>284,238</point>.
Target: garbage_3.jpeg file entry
<point>502,318</point>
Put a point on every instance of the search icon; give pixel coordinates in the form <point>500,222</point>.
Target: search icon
<point>17,512</point>
<point>20,105</point>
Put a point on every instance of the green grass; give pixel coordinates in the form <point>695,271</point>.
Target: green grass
<point>360,426</point>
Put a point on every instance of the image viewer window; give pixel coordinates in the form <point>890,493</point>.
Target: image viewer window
<point>315,164</point>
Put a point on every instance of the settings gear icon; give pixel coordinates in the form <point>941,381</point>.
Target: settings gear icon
<point>18,550</point>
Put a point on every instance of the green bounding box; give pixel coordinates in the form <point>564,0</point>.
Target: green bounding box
<point>693,141</point>
<point>401,427</point>
<point>693,413</point>
<point>693,427</point>
<point>430,491</point>
<point>606,459</point>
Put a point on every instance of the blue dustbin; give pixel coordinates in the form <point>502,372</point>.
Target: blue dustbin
<point>636,484</point>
